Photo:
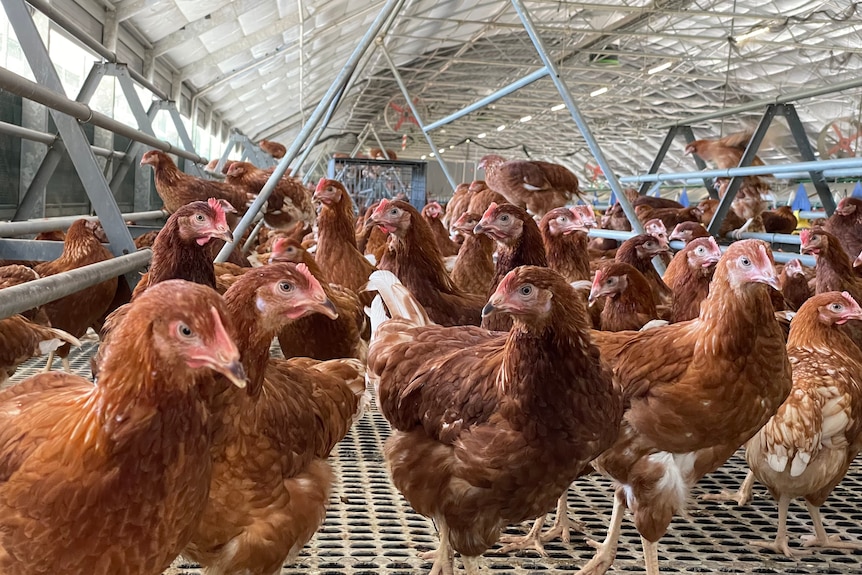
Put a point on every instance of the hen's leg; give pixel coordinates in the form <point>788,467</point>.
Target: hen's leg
<point>780,544</point>
<point>471,565</point>
<point>563,524</point>
<point>650,556</point>
<point>532,540</point>
<point>50,362</point>
<point>607,550</point>
<point>820,538</point>
<point>444,559</point>
<point>67,366</point>
<point>742,496</point>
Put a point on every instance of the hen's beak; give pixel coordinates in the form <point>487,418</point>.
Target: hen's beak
<point>235,372</point>
<point>858,261</point>
<point>223,355</point>
<point>769,278</point>
<point>497,303</point>
<point>327,308</point>
<point>221,233</point>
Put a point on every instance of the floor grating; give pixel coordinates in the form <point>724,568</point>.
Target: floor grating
<point>370,529</point>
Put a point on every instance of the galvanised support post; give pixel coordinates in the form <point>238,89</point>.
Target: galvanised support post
<point>798,131</point>
<point>76,142</point>
<point>581,122</point>
<point>35,195</point>
<point>133,150</point>
<point>398,80</point>
<point>659,158</point>
<point>708,183</point>
<point>231,143</point>
<point>736,181</point>
<point>185,138</point>
<point>391,6</point>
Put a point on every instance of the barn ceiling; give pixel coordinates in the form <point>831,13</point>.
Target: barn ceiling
<point>632,66</point>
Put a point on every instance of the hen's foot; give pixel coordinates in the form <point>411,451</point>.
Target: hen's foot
<point>532,541</point>
<point>780,545</point>
<point>601,561</point>
<point>738,496</point>
<point>562,528</point>
<point>830,542</point>
<point>428,555</point>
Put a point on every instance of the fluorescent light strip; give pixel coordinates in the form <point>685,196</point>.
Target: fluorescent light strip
<point>526,119</point>
<point>501,128</point>
<point>558,107</point>
<point>660,68</point>
<point>598,92</point>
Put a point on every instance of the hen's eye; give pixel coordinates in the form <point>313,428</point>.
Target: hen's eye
<point>745,261</point>
<point>504,218</point>
<point>700,251</point>
<point>650,244</point>
<point>526,290</point>
<point>184,330</point>
<point>286,287</point>
<point>836,307</point>
<point>612,281</point>
<point>562,219</point>
<point>393,212</point>
<point>199,217</point>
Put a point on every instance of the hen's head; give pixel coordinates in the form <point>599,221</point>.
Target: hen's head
<point>747,263</point>
<point>329,192</point>
<point>393,217</point>
<point>702,254</point>
<point>815,241</point>
<point>185,326</point>
<point>646,246</point>
<point>585,216</point>
<point>432,210</point>
<point>503,223</point>
<point>286,250</point>
<point>693,147</point>
<point>280,293</point>
<point>849,207</point>
<point>655,227</point>
<point>82,237</point>
<point>831,308</point>
<point>490,161</point>
<point>559,222</point>
<point>466,223</point>
<point>687,231</point>
<point>201,221</point>
<point>155,158</point>
<point>793,268</point>
<point>237,170</point>
<point>527,294</point>
<point>611,281</point>
<point>477,186</point>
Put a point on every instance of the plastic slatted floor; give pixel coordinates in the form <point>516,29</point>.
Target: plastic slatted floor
<point>370,529</point>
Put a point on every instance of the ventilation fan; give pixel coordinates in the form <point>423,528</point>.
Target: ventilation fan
<point>840,138</point>
<point>399,117</point>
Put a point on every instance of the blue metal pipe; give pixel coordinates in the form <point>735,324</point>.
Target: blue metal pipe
<point>501,93</point>
<point>818,166</point>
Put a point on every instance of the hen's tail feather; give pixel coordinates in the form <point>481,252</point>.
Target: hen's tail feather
<point>60,338</point>
<point>398,299</point>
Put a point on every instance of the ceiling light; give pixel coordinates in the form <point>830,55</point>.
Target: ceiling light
<point>501,128</point>
<point>431,154</point>
<point>467,140</point>
<point>660,68</point>
<point>423,157</point>
<point>526,118</point>
<point>558,107</point>
<point>482,135</point>
<point>451,146</point>
<point>443,131</point>
<point>751,34</point>
<point>598,92</point>
<point>440,151</point>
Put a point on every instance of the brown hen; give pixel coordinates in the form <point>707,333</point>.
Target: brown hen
<point>537,186</point>
<point>288,203</point>
<point>474,267</point>
<point>489,429</point>
<point>113,478</point>
<point>846,225</point>
<point>689,275</point>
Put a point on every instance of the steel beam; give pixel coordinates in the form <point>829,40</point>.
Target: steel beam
<point>57,101</point>
<point>580,121</point>
<point>340,81</point>
<point>185,139</point>
<point>798,131</point>
<point>826,166</point>
<point>17,299</point>
<point>760,104</point>
<point>403,87</point>
<point>132,152</point>
<point>72,133</point>
<point>659,158</point>
<point>49,139</point>
<point>501,93</point>
<point>13,229</point>
<point>35,194</point>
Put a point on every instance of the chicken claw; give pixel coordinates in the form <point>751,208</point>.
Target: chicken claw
<point>607,550</point>
<point>531,541</point>
<point>780,545</point>
<point>742,496</point>
<point>830,542</point>
<point>443,556</point>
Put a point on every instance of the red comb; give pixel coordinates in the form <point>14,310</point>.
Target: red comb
<point>321,184</point>
<point>306,273</point>
<point>381,206</point>
<point>218,209</point>
<point>491,209</point>
<point>804,235</point>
